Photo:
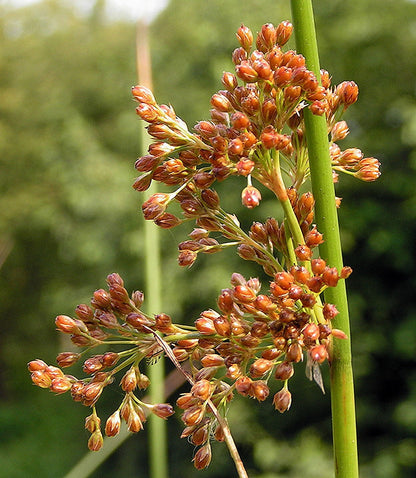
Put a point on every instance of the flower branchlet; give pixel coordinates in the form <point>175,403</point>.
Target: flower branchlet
<point>257,335</point>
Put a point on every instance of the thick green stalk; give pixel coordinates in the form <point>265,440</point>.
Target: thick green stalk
<point>151,247</point>
<point>342,388</point>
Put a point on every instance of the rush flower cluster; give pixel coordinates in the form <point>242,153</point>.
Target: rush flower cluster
<point>112,319</point>
<point>256,128</point>
<point>256,336</point>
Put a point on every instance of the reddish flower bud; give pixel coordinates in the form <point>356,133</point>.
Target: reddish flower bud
<point>250,197</point>
<point>292,93</point>
<point>142,182</point>
<point>284,279</point>
<point>300,274</point>
<point>187,258</point>
<point>311,332</point>
<point>346,271</point>
<point>318,266</point>
<point>221,103</point>
<point>347,92</point>
<point>339,334</point>
<point>303,252</point>
<point>319,353</point>
<point>205,326</point>
<point>229,81</point>
<point>148,112</point>
<point>282,400</point>
<point>266,38</point>
<point>329,311</point>
<point>282,76</point>
<point>283,32</point>
<point>244,294</point>
<point>259,390</point>
<point>330,276</point>
<point>245,166</point>
<point>60,385</point>
<point>240,121</point>
<point>143,94</point>
<point>41,379</point>
<point>245,37</point>
<point>246,72</point>
<point>193,415</point>
<point>294,353</point>
<point>37,366</point>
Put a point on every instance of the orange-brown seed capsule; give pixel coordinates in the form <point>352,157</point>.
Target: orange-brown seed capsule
<point>330,276</point>
<point>294,353</point>
<point>113,423</point>
<point>283,32</point>
<point>163,410</point>
<point>202,457</point>
<point>282,400</point>
<point>202,389</point>
<point>284,371</point>
<point>303,252</point>
<point>260,367</point>
<point>193,415</point>
<point>37,366</point>
<point>245,37</point>
<point>259,390</point>
<point>243,385</point>
<point>95,441</point>
<point>319,353</point>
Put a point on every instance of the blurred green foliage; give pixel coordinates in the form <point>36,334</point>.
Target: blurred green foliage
<point>68,140</point>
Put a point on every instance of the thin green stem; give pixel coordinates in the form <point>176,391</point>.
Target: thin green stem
<point>342,388</point>
<point>156,372</point>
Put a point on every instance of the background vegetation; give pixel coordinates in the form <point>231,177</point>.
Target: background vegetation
<point>68,141</point>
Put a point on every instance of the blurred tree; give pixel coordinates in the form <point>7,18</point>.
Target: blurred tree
<point>68,139</point>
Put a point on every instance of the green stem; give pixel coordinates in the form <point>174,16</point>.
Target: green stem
<point>342,388</point>
<point>153,281</point>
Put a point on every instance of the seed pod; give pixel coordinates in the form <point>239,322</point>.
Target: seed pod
<point>330,276</point>
<point>202,390</point>
<point>243,385</point>
<point>282,400</point>
<point>163,410</point>
<point>113,423</point>
<point>284,371</point>
<point>319,353</point>
<point>200,435</point>
<point>259,390</point>
<point>193,415</point>
<point>260,367</point>
<point>318,266</point>
<point>212,360</point>
<point>202,457</point>
<point>294,353</point>
<point>311,332</point>
<point>250,197</point>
